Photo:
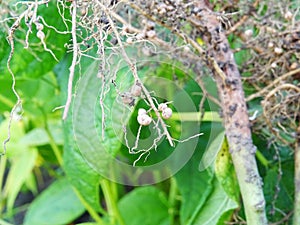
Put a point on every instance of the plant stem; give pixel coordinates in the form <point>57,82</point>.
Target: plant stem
<point>111,200</point>
<point>3,160</point>
<point>53,145</point>
<point>172,199</point>
<point>6,101</point>
<point>235,116</point>
<point>197,116</point>
<point>16,210</point>
<point>89,208</point>
<point>262,159</point>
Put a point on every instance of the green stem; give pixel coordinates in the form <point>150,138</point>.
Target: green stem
<point>89,208</point>
<point>262,159</point>
<point>6,101</point>
<point>53,145</point>
<point>16,210</point>
<point>197,116</point>
<point>172,199</point>
<point>113,186</point>
<point>3,160</point>
<point>111,200</point>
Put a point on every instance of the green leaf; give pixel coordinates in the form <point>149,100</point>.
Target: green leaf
<point>216,205</point>
<point>144,205</point>
<point>117,115</point>
<point>31,184</point>
<point>29,62</point>
<point>96,146</point>
<point>225,172</point>
<point>21,157</point>
<point>18,132</point>
<point>40,96</point>
<point>20,170</point>
<point>195,187</point>
<point>81,175</point>
<point>84,178</point>
<point>39,136</point>
<point>58,205</point>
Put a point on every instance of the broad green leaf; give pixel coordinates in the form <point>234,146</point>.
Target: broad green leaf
<point>216,205</point>
<point>20,170</point>
<point>58,205</point>
<point>144,205</point>
<point>195,187</point>
<point>97,139</point>
<point>117,115</point>
<point>225,172</point>
<point>81,175</point>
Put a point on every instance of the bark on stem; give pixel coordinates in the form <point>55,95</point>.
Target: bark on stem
<point>235,116</point>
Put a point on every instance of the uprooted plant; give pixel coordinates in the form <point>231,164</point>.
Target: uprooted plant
<point>192,32</point>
